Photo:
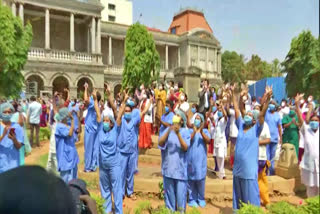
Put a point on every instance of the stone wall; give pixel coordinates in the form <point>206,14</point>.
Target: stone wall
<point>118,51</point>
<point>105,50</point>
<point>59,34</point>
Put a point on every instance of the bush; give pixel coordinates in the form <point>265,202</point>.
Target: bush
<point>312,206</point>
<point>143,207</point>
<point>100,202</point>
<point>283,207</point>
<point>249,208</point>
<point>161,190</point>
<point>44,133</point>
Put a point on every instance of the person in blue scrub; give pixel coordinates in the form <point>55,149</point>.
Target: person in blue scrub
<point>91,126</point>
<point>127,146</point>
<point>11,139</point>
<point>109,162</point>
<point>74,109</point>
<point>274,122</point>
<point>67,155</point>
<point>245,169</point>
<point>135,113</point>
<point>174,143</point>
<point>166,119</point>
<point>197,162</point>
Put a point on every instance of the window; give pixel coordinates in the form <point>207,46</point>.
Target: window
<point>112,18</point>
<point>173,30</point>
<point>111,6</point>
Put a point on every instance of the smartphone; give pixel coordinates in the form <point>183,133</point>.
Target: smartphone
<point>12,131</point>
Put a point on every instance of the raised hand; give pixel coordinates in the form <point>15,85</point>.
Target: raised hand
<point>94,94</point>
<point>108,91</point>
<point>298,98</point>
<point>268,90</point>
<point>86,85</point>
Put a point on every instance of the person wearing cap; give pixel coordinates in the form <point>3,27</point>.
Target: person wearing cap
<point>245,169</point>
<point>67,155</point>
<point>274,122</point>
<point>11,139</point>
<point>109,162</point>
<point>91,126</point>
<point>174,143</point>
<point>197,162</point>
<point>166,119</point>
<point>309,164</point>
<point>127,147</point>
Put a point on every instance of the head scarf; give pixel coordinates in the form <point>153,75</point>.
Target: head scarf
<point>62,114</point>
<point>183,116</point>
<point>5,106</point>
<point>109,115</point>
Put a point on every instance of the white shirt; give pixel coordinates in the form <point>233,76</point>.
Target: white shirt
<point>34,112</point>
<point>265,133</point>
<point>148,115</point>
<point>212,128</point>
<point>206,100</point>
<point>310,159</point>
<point>220,133</point>
<point>184,107</point>
<point>233,126</point>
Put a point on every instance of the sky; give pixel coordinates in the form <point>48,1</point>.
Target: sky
<point>263,27</point>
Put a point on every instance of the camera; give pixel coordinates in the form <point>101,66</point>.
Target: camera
<point>78,187</point>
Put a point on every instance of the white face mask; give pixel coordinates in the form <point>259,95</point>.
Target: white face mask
<point>160,87</point>
<point>283,104</point>
<point>182,98</point>
<point>141,88</point>
<point>244,98</point>
<point>309,99</point>
<point>301,101</point>
<point>144,96</point>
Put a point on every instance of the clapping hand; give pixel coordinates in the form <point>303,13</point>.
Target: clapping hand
<point>86,85</point>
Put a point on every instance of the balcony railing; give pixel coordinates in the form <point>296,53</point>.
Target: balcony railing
<point>41,54</point>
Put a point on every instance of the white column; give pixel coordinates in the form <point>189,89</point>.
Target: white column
<point>167,53</point>
<point>98,40</point>
<point>14,8</point>
<point>93,35</point>
<point>207,60</point>
<point>110,50</point>
<point>47,29</point>
<point>216,60</point>
<point>178,56</point>
<point>71,32</point>
<point>21,12</point>
<point>219,62</point>
<point>198,58</point>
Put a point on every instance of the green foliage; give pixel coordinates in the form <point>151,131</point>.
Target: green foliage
<point>232,67</point>
<point>15,40</point>
<point>45,132</point>
<point>312,206</point>
<point>142,61</point>
<point>282,207</point>
<point>100,202</point>
<point>248,208</point>
<point>161,190</point>
<point>143,207</point>
<point>43,160</point>
<point>302,65</point>
<point>257,69</point>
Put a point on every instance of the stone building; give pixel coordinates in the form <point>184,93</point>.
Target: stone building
<point>71,46</point>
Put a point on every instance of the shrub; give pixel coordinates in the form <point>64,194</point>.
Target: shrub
<point>143,207</point>
<point>282,207</point>
<point>44,133</point>
<point>161,190</point>
<point>312,206</point>
<point>100,202</point>
<point>249,208</point>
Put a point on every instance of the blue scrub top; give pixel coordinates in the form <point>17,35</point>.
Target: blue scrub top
<point>9,155</point>
<point>273,120</point>
<point>108,147</point>
<point>128,140</point>
<point>91,124</point>
<point>67,155</point>
<point>167,118</point>
<point>247,151</point>
<point>174,159</point>
<point>197,156</point>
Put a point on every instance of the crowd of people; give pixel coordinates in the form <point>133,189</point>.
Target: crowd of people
<point>116,128</point>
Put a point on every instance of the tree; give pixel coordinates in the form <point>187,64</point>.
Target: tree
<point>232,67</point>
<point>142,61</point>
<point>276,70</point>
<point>302,65</point>
<point>15,40</point>
<point>257,69</point>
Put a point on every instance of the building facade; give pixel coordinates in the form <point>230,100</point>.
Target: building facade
<point>72,45</point>
<point>118,11</point>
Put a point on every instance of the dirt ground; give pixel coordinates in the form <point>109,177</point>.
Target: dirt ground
<point>92,180</point>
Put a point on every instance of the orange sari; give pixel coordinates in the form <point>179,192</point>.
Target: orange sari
<point>145,130</point>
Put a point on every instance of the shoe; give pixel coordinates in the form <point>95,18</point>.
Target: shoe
<point>202,203</point>
<point>193,204</point>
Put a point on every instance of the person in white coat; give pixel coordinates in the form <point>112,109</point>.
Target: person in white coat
<point>310,160</point>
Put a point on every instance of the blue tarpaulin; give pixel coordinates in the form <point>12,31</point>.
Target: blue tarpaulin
<point>278,85</point>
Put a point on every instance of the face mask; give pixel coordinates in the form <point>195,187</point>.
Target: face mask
<point>72,103</point>
<point>176,88</point>
<point>314,125</point>
<point>6,117</point>
<point>283,104</point>
<point>166,109</point>
<point>193,110</point>
<point>247,120</point>
<point>292,113</point>
<point>272,107</point>
<point>176,119</point>
<point>309,99</point>
<point>244,98</point>
<point>197,123</point>
<point>182,98</point>
<point>255,114</point>
<point>220,114</point>
<point>160,88</point>
<point>141,88</point>
<point>301,101</point>
<point>106,126</point>
<point>127,116</point>
<point>144,96</point>
<point>130,103</point>
<point>214,109</point>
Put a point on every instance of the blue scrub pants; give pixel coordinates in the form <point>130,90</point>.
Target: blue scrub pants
<point>90,153</point>
<point>128,166</point>
<point>271,152</point>
<point>69,175</point>
<point>246,191</point>
<point>175,193</point>
<point>110,183</point>
<point>196,190</point>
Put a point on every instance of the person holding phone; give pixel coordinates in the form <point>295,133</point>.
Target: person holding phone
<point>11,139</point>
